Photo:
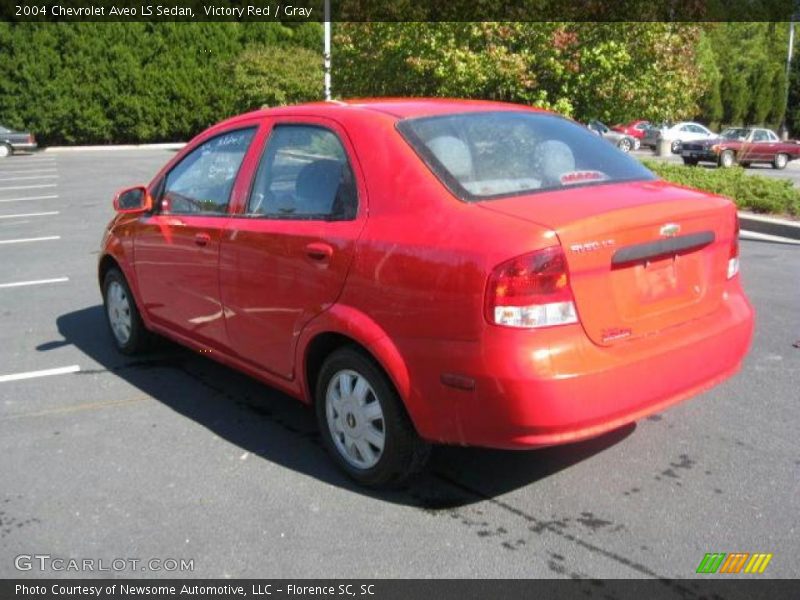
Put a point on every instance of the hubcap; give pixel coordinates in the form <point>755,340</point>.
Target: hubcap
<point>119,312</point>
<point>727,160</point>
<point>355,419</point>
<point>780,160</point>
<point>3,150</point>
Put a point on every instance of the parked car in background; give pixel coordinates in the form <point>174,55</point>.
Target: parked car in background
<point>635,129</point>
<point>15,141</point>
<point>623,141</point>
<point>743,145</point>
<point>676,135</point>
<point>494,276</point>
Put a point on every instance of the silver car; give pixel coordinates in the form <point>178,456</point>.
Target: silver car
<point>623,141</point>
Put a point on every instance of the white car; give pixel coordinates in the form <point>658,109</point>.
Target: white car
<point>677,134</point>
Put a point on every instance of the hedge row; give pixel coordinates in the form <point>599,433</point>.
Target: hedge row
<point>84,83</point>
<point>750,192</point>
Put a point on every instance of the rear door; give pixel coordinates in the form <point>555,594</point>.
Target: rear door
<point>286,253</point>
<point>177,246</point>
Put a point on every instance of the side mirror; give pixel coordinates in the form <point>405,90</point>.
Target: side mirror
<point>133,200</point>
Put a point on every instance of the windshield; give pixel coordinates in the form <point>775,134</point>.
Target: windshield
<point>486,155</point>
<point>734,133</point>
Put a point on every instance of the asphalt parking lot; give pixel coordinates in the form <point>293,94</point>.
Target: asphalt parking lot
<point>172,456</point>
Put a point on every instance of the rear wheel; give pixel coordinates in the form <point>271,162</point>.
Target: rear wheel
<point>690,162</point>
<point>364,426</point>
<point>5,150</point>
<point>127,329</point>
<point>727,159</point>
<point>780,162</point>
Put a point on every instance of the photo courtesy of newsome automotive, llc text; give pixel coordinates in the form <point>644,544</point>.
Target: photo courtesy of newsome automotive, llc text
<point>386,300</point>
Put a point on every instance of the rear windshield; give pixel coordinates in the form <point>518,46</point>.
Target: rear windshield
<point>485,155</point>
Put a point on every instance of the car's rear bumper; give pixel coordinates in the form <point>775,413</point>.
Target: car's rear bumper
<point>554,386</point>
<point>25,147</point>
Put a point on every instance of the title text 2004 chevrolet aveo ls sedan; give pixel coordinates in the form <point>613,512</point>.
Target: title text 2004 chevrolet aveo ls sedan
<point>432,271</point>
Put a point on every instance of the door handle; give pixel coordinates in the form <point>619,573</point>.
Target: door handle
<point>201,239</point>
<point>319,252</point>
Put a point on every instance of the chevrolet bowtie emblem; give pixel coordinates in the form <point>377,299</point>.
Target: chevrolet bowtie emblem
<point>670,230</point>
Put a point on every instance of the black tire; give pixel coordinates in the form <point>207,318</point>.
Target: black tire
<point>140,338</point>
<point>727,159</point>
<point>404,453</point>
<point>690,162</point>
<point>5,150</point>
<point>780,161</point>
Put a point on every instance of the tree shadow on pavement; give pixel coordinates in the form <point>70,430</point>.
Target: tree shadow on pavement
<point>277,428</point>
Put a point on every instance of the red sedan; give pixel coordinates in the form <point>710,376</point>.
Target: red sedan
<point>431,271</point>
<point>635,129</point>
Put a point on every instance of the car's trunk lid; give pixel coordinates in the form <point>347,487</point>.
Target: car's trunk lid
<point>643,257</point>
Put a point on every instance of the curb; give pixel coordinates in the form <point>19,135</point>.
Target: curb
<point>769,226</point>
<point>168,146</point>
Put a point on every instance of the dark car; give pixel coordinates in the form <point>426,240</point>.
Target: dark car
<point>745,145</point>
<point>15,141</point>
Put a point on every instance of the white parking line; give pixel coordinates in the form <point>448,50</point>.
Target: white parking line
<point>44,373</point>
<point>27,187</point>
<point>53,197</point>
<point>36,239</point>
<point>25,178</point>
<point>34,282</point>
<point>26,171</point>
<point>41,214</point>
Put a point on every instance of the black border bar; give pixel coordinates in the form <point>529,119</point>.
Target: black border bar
<point>734,587</point>
<point>402,10</point>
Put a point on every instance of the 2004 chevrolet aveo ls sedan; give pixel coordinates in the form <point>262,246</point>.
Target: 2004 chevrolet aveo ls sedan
<point>431,271</point>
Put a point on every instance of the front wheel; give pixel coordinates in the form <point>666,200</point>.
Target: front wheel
<point>5,150</point>
<point>363,423</point>
<point>727,159</point>
<point>625,145</point>
<point>780,162</point>
<point>675,146</point>
<point>127,329</point>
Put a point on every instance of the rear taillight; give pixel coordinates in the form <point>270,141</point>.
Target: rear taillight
<point>531,291</point>
<point>733,258</point>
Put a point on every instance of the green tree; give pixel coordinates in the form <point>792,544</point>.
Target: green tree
<point>614,71</point>
<point>274,76</point>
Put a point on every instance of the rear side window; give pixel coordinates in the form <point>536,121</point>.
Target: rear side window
<point>304,174</point>
<point>202,182</point>
<point>487,155</point>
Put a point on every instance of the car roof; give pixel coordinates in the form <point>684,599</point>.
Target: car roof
<point>394,108</point>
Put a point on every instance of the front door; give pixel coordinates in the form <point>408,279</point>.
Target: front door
<point>177,247</point>
<point>285,256</point>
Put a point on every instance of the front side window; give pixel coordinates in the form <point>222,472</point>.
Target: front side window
<point>486,155</point>
<point>304,174</point>
<point>202,182</point>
